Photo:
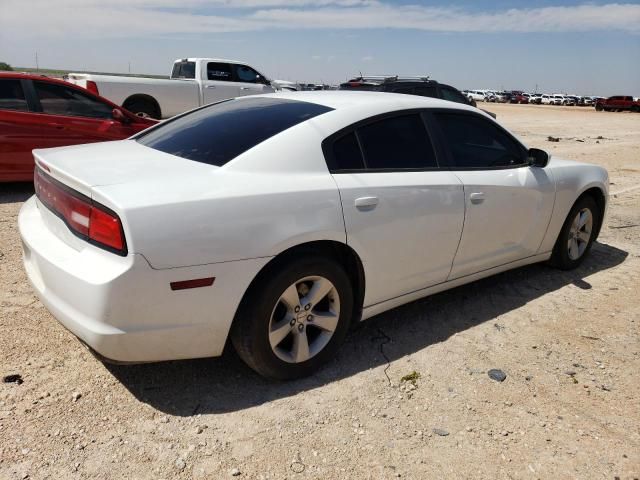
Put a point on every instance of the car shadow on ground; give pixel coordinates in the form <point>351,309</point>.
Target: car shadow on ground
<point>225,384</point>
<point>15,192</point>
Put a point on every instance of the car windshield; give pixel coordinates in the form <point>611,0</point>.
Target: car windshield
<point>218,133</point>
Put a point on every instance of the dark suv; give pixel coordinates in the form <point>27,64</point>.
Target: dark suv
<point>422,86</point>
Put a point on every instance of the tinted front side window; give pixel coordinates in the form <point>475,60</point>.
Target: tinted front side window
<point>61,100</point>
<point>218,133</point>
<point>219,71</point>
<point>12,95</point>
<point>475,143</point>
<point>246,74</point>
<point>397,142</point>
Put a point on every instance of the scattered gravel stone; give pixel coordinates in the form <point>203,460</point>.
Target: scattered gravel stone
<point>13,378</point>
<point>497,375</point>
<point>164,420</point>
<point>180,464</point>
<point>234,472</point>
<point>199,429</point>
<point>441,432</point>
<point>75,396</point>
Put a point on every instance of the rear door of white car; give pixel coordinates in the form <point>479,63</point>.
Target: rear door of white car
<point>218,83</point>
<point>403,214</point>
<point>508,203</point>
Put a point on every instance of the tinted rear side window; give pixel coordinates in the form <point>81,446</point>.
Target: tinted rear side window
<point>219,71</point>
<point>184,70</point>
<point>347,153</point>
<point>12,96</point>
<point>427,91</point>
<point>218,133</point>
<point>396,143</point>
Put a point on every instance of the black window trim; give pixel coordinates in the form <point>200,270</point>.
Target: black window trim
<point>327,144</point>
<point>439,137</point>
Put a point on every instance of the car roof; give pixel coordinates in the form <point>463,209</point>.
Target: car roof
<point>368,100</point>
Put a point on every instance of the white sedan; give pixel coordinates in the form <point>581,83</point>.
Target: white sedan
<point>279,220</point>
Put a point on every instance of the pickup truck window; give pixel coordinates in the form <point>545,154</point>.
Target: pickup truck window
<point>219,71</point>
<point>60,100</point>
<point>184,70</point>
<point>218,133</point>
<point>246,74</point>
<point>12,96</point>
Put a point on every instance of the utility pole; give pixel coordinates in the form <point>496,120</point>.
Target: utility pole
<point>129,67</point>
<point>37,66</point>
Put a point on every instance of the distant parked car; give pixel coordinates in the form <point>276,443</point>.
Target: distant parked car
<point>193,82</point>
<point>546,99</point>
<point>496,97</point>
<point>557,99</point>
<point>517,96</point>
<point>421,86</point>
<point>535,98</point>
<point>477,95</point>
<point>40,112</point>
<point>618,103</point>
<point>570,100</point>
<point>585,101</point>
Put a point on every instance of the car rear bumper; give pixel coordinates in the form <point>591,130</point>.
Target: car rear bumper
<point>121,307</point>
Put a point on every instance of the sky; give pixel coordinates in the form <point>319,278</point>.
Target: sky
<point>561,46</point>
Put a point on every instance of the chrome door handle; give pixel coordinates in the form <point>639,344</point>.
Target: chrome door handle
<point>366,203</point>
<point>210,86</point>
<point>245,88</point>
<point>476,198</point>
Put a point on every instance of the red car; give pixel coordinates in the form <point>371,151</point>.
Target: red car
<point>40,112</point>
<point>618,103</point>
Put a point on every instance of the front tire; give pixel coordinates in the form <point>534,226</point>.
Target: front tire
<point>577,235</point>
<point>294,320</point>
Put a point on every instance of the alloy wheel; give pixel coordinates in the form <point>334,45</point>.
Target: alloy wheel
<point>304,319</point>
<point>580,234</point>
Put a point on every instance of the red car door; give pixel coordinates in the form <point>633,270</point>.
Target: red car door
<point>19,132</point>
<point>69,117</point>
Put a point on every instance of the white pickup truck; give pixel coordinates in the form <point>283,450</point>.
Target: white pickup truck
<point>193,82</point>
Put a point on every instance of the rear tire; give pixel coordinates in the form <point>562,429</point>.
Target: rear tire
<point>577,235</point>
<point>294,321</point>
<point>143,107</point>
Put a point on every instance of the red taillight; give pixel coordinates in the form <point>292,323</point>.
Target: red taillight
<point>84,217</point>
<point>92,87</point>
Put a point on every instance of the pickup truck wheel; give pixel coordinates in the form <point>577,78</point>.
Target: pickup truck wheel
<point>143,107</point>
<point>598,108</point>
<point>635,109</point>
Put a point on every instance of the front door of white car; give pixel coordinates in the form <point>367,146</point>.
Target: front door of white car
<point>508,204</point>
<point>218,83</point>
<point>402,215</point>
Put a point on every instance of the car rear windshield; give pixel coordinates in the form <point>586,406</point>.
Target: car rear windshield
<point>218,133</point>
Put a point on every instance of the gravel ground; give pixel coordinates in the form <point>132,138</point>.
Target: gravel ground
<point>568,343</point>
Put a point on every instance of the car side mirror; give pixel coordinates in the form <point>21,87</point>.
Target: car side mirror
<point>537,157</point>
<point>118,116</point>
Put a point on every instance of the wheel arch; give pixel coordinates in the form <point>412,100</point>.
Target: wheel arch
<point>145,98</point>
<point>599,196</point>
<point>340,252</point>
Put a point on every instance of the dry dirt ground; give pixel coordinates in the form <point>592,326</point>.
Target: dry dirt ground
<point>568,342</point>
